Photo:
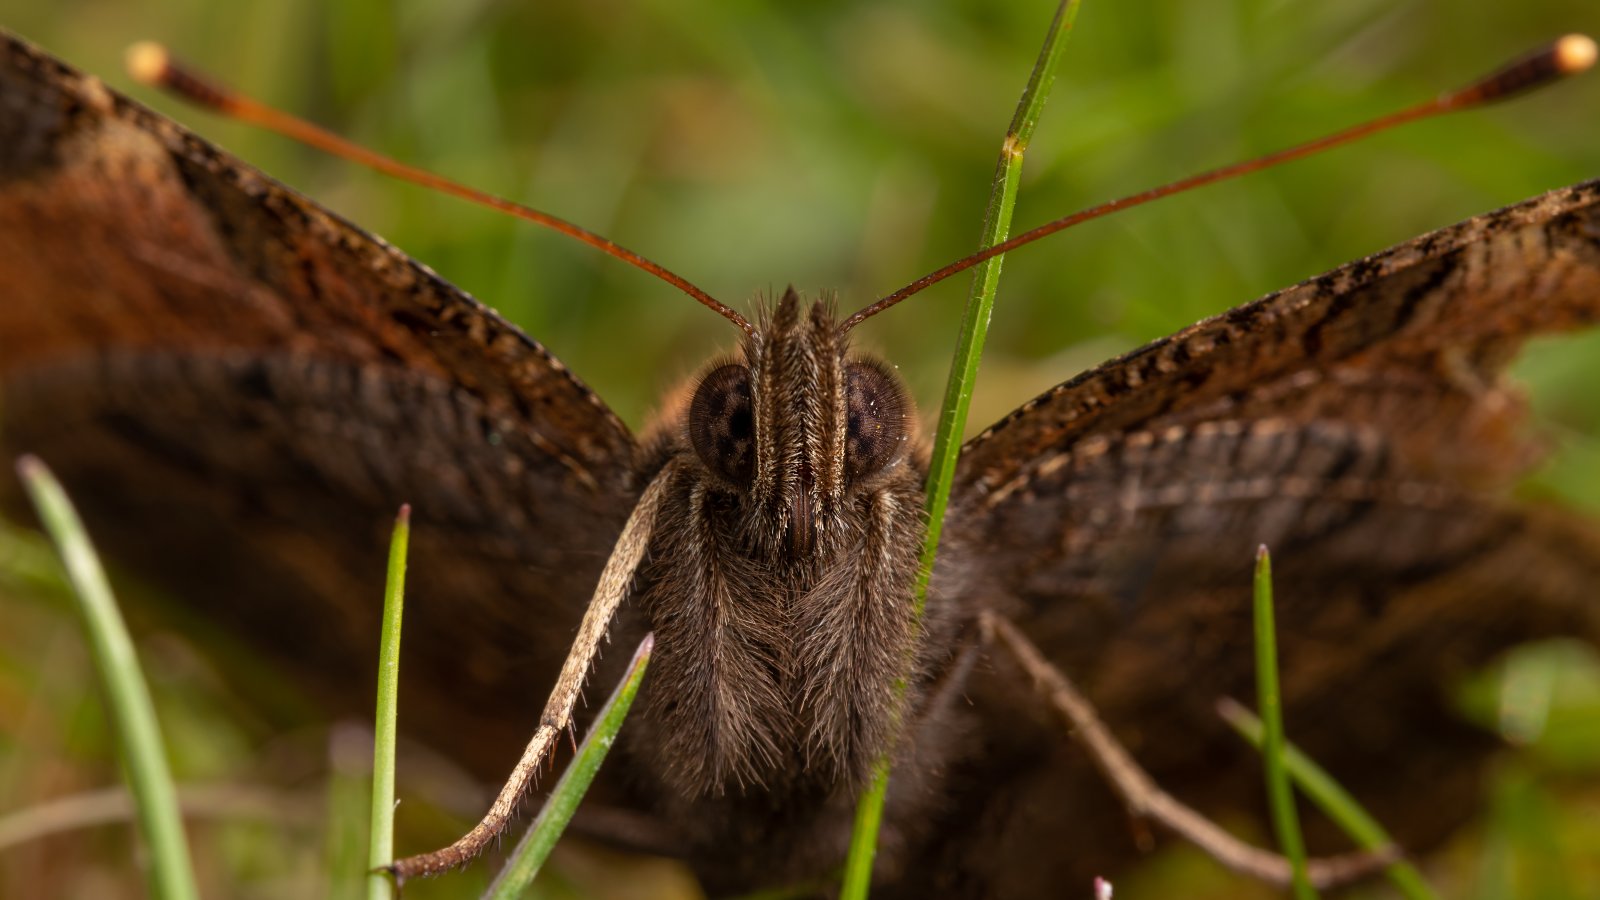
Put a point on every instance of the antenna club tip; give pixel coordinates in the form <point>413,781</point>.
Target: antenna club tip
<point>1575,53</point>
<point>148,62</point>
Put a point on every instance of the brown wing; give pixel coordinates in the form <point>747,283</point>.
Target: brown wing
<point>1410,340</point>
<point>240,389</point>
<point>1358,425</point>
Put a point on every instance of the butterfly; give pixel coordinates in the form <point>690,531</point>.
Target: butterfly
<point>279,381</point>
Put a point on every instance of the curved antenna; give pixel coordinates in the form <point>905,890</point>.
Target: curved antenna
<point>151,64</point>
<point>1564,56</point>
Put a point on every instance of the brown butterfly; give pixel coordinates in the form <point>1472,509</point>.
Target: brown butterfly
<point>243,372</point>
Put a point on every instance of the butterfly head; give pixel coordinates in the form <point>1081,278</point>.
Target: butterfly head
<point>797,424</point>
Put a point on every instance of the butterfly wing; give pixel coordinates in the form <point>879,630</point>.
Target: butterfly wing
<point>240,389</point>
<point>1360,426</point>
<point>1410,341</point>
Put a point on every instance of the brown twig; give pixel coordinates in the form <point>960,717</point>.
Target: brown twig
<point>1145,798</point>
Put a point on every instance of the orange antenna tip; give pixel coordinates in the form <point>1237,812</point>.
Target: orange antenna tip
<point>1574,53</point>
<point>1564,56</point>
<point>151,64</point>
<point>148,62</point>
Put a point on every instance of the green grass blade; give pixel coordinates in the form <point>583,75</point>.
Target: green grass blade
<point>535,846</point>
<point>856,882</point>
<point>127,695</point>
<point>1334,801</point>
<point>380,844</point>
<point>1280,794</point>
<point>985,280</point>
<point>958,398</point>
<point>857,878</point>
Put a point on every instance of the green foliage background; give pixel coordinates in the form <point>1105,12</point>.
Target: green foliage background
<point>841,145</point>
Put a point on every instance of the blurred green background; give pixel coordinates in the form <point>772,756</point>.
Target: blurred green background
<point>847,146</point>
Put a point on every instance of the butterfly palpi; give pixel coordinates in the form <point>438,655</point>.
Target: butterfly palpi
<point>240,388</point>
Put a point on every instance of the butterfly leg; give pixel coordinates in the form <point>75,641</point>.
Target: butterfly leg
<point>1140,792</point>
<point>557,715</point>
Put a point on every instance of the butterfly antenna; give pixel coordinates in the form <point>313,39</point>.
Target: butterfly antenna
<point>1565,56</point>
<point>151,64</point>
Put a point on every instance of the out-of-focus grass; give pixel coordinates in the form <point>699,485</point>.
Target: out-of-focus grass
<point>843,145</point>
<point>141,750</point>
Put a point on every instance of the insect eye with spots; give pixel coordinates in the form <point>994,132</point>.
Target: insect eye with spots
<point>722,424</point>
<point>876,419</point>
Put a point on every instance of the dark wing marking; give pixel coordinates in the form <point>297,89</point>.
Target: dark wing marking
<point>1357,424</point>
<point>240,388</point>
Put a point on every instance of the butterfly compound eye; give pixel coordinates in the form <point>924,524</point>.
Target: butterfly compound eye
<point>875,419</point>
<point>722,426</point>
